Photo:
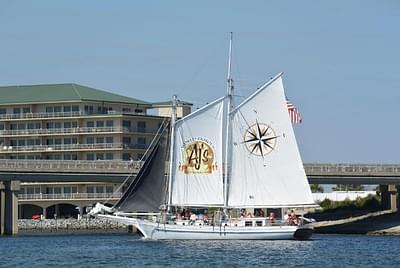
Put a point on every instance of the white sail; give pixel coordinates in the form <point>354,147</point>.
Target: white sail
<point>266,168</point>
<point>198,152</point>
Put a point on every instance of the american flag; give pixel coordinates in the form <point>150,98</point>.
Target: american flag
<point>293,113</point>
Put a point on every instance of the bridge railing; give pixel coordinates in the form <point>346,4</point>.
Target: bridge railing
<point>352,169</point>
<point>118,166</point>
<point>69,196</point>
<point>70,166</point>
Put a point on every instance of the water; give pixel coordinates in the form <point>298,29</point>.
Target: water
<point>124,250</point>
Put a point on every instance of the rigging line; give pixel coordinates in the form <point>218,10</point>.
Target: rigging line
<point>157,136</point>
<point>145,154</point>
<point>206,62</point>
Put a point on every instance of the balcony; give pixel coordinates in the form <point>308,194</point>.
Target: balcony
<point>70,196</point>
<point>114,166</point>
<point>54,115</point>
<point>62,147</point>
<point>72,131</point>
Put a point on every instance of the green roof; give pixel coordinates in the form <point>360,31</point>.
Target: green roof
<point>59,93</point>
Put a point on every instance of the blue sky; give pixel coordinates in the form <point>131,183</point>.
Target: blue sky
<point>341,59</point>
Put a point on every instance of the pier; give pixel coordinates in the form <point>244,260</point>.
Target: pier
<point>13,172</point>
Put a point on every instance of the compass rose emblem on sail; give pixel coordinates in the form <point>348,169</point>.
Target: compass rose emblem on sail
<point>198,157</point>
<point>260,139</point>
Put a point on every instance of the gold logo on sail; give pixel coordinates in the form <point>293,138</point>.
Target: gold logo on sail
<point>198,157</point>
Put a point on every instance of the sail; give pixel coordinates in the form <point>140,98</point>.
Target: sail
<point>147,192</point>
<point>266,168</point>
<point>198,152</point>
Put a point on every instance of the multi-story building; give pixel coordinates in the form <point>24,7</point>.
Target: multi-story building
<point>70,122</point>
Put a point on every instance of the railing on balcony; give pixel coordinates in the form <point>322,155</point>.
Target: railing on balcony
<point>115,166</point>
<point>69,196</point>
<point>69,147</point>
<point>60,147</point>
<point>61,114</point>
<point>78,130</point>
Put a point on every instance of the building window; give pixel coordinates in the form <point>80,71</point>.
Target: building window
<point>49,109</point>
<point>141,141</point>
<point>109,156</point>
<point>67,141</point>
<point>57,141</point>
<point>109,189</point>
<point>21,143</point>
<point>75,124</point>
<point>67,109</point>
<point>109,139</point>
<point>139,111</point>
<point>100,140</point>
<point>90,189</point>
<point>141,126</point>
<point>90,123</point>
<point>26,110</point>
<point>16,110</point>
<point>74,140</point>
<point>30,142</point>
<point>126,124</point>
<point>75,108</point>
<point>49,125</point>
<point>99,189</point>
<point>109,123</point>
<point>21,126</point>
<point>67,157</point>
<point>57,190</point>
<point>126,110</point>
<point>99,156</point>
<point>3,110</point>
<point>90,157</point>
<point>57,125</point>
<point>67,124</point>
<point>99,123</point>
<point>57,109</point>
<point>67,190</point>
<point>126,156</point>
<point>88,109</point>
<point>126,140</point>
<point>90,140</point>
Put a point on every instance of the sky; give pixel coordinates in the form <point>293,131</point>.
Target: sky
<point>341,59</point>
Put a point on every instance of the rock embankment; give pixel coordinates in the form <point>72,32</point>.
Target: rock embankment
<point>60,225</point>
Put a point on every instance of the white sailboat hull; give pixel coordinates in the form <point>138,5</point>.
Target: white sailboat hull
<point>158,231</point>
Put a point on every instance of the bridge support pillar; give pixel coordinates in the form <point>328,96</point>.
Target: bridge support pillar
<point>389,197</point>
<point>2,207</point>
<point>11,207</point>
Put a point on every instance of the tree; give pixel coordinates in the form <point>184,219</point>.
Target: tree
<point>316,188</point>
<point>348,187</point>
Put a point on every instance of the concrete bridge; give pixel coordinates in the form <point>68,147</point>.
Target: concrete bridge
<point>12,172</point>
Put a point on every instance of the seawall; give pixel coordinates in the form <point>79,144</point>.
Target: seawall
<point>70,225</point>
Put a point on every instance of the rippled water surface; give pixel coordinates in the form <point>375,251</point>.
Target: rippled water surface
<point>125,250</point>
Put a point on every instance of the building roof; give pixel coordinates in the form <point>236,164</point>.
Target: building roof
<point>70,92</point>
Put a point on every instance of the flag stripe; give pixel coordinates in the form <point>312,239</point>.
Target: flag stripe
<point>293,113</point>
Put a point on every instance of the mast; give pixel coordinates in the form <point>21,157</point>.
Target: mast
<point>171,152</point>
<point>229,88</point>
